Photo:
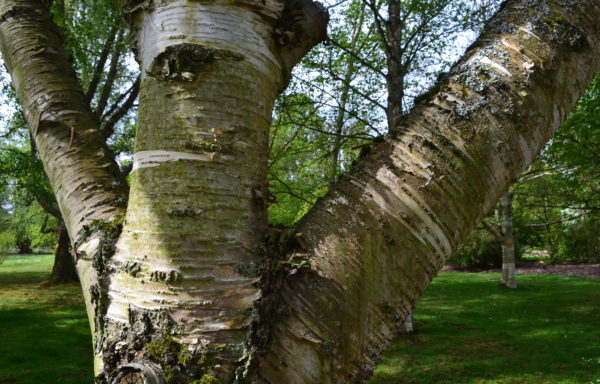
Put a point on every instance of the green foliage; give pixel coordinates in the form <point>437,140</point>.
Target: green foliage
<point>581,242</point>
<point>336,102</point>
<point>207,379</point>
<point>86,25</point>
<point>298,158</point>
<point>481,250</point>
<point>557,201</point>
<point>26,228</point>
<point>7,241</point>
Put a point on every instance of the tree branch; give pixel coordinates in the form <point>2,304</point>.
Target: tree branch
<point>549,223</point>
<point>374,242</point>
<point>111,76</point>
<point>358,58</point>
<point>109,126</point>
<point>492,230</point>
<point>99,68</point>
<point>84,177</point>
<point>309,30</point>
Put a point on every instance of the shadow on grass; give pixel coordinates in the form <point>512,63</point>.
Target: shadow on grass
<point>45,347</point>
<point>470,330</point>
<point>44,332</point>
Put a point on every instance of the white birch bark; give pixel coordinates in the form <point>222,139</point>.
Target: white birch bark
<point>509,278</point>
<point>89,189</point>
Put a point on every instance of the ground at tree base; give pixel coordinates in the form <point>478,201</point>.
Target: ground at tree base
<point>591,271</point>
<point>469,330</point>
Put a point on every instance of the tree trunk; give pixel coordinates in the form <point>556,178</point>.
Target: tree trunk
<point>63,270</point>
<point>188,261</point>
<point>508,243</point>
<point>344,95</point>
<point>174,302</point>
<point>24,246</point>
<point>89,189</point>
<point>409,323</point>
<point>368,249</point>
<point>396,66</point>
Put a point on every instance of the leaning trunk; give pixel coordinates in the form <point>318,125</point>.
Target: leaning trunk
<point>86,181</point>
<point>363,256</point>
<point>508,243</point>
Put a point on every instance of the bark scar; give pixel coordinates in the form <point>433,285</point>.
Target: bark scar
<point>183,62</point>
<point>17,11</point>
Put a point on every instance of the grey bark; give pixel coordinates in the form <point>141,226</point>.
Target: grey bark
<point>509,278</point>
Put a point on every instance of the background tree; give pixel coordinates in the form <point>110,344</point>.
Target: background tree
<point>346,82</point>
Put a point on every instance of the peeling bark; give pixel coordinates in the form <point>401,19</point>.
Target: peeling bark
<point>371,246</point>
<point>188,261</point>
<point>84,177</point>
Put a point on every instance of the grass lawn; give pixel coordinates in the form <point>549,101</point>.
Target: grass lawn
<point>470,330</point>
<point>44,332</point>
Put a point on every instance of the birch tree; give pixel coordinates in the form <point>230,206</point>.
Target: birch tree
<point>183,280</point>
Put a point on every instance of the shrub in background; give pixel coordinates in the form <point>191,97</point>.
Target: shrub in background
<point>481,250</point>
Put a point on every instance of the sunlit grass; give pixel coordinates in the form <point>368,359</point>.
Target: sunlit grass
<point>470,330</point>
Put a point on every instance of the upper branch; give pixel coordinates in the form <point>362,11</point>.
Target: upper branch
<point>360,259</point>
<point>302,25</point>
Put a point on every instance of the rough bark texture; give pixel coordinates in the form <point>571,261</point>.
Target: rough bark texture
<point>371,246</point>
<point>84,176</point>
<point>193,242</point>
<point>509,278</point>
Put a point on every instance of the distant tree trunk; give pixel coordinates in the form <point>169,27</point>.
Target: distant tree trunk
<point>345,93</point>
<point>63,270</point>
<point>24,246</point>
<point>508,243</point>
<point>409,323</point>
<point>396,66</point>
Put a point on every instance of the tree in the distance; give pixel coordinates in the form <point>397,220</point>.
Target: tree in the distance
<point>174,288</point>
